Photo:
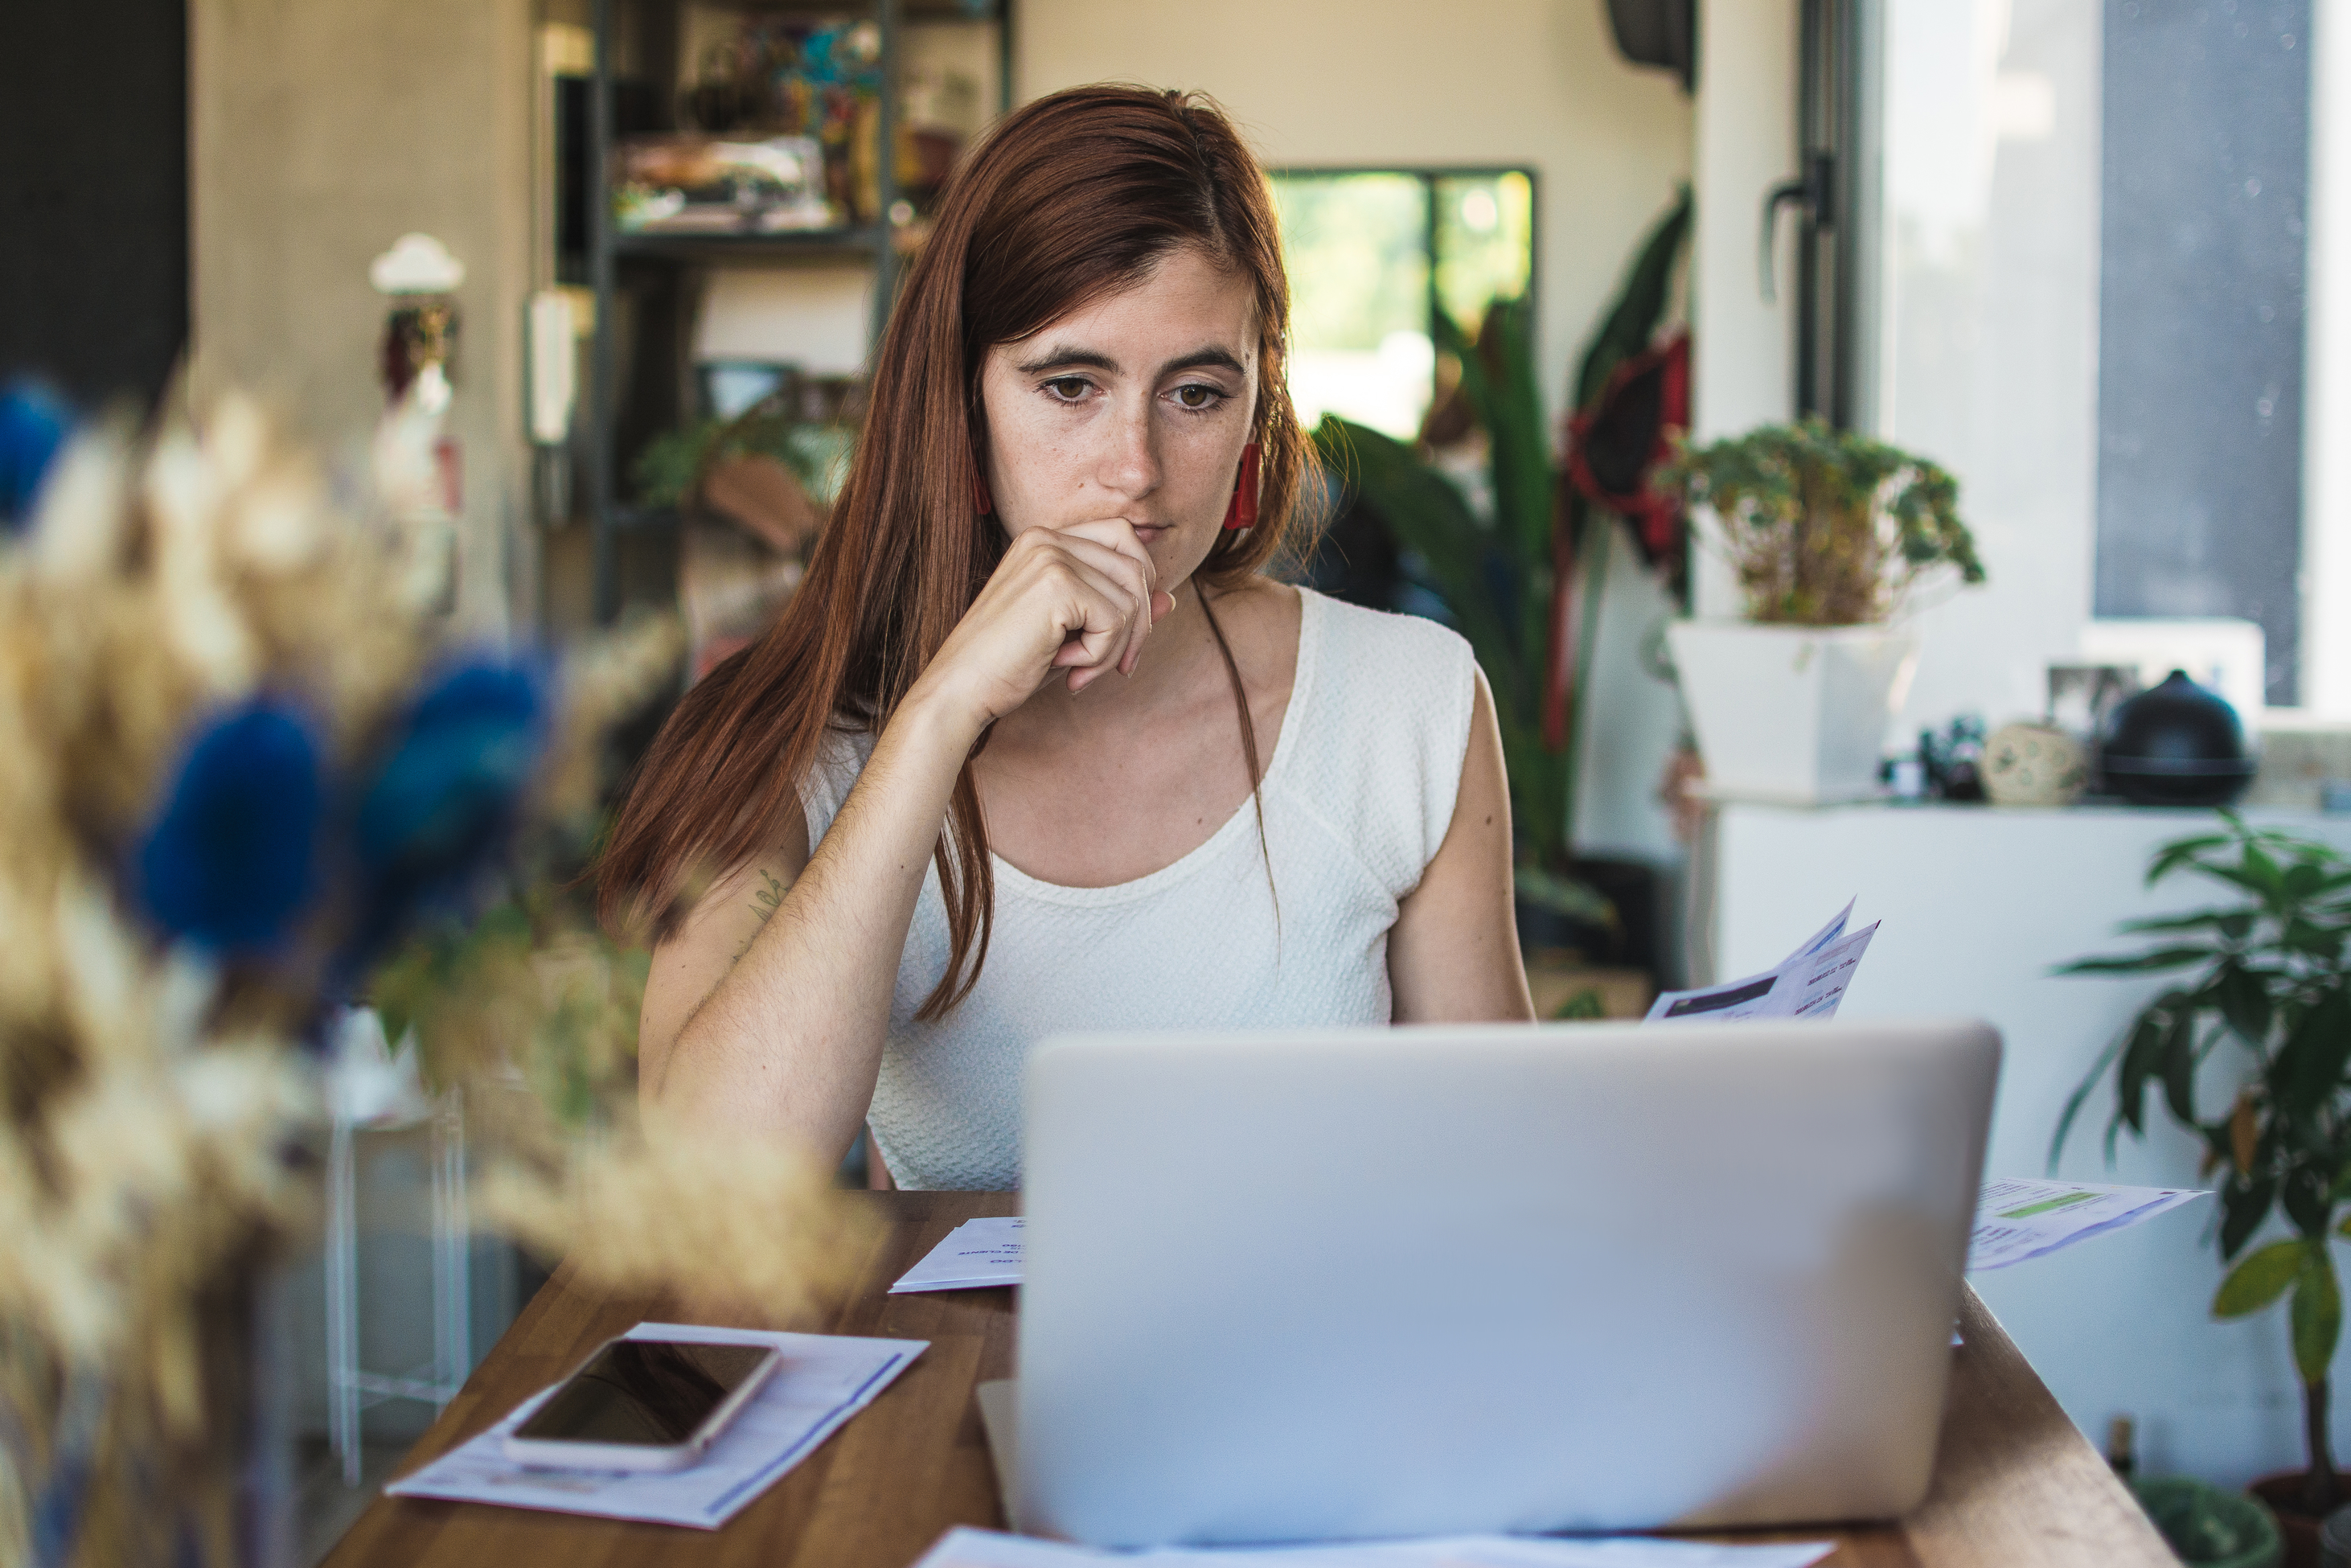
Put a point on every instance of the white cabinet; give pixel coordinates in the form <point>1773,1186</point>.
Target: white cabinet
<point>1979,904</point>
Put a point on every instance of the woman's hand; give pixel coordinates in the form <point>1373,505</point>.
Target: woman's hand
<point>771,1015</point>
<point>1081,599</point>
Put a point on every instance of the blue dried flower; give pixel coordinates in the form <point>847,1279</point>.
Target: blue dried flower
<point>230,862</point>
<point>33,426</point>
<point>446,796</point>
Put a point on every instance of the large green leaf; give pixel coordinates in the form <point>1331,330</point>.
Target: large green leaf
<point>2257,874</point>
<point>2179,852</point>
<point>2302,1194</point>
<point>2081,1093</point>
<point>2318,1313</point>
<point>2179,1058</point>
<point>2259,1280</point>
<point>2311,1063</point>
<point>2230,924</point>
<point>2140,1060</point>
<point>2243,997</point>
<point>2244,1204</point>
<point>2140,964</point>
<point>2304,935</point>
<point>1498,378</point>
<point>2263,872</point>
<point>1633,323</point>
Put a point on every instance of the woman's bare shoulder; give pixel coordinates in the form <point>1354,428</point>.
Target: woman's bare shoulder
<point>1261,617</point>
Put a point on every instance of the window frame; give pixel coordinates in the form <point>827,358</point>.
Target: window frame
<point>1428,174</point>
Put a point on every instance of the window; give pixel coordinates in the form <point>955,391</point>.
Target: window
<point>1372,254</point>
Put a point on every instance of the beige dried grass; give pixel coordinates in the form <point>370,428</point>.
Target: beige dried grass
<point>746,1222</point>
<point>155,1111</point>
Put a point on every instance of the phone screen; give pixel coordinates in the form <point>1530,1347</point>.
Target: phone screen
<point>646,1392</point>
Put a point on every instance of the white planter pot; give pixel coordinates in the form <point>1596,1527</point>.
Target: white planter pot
<point>1792,714</point>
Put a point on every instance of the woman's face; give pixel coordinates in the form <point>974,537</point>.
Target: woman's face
<point>1136,407</point>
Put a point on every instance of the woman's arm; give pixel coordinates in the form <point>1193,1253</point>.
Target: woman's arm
<point>772,1018</point>
<point>1453,954</point>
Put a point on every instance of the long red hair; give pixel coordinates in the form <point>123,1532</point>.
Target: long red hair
<point>1070,199</point>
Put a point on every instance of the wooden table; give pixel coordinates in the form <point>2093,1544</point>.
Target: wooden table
<point>2016,1486</point>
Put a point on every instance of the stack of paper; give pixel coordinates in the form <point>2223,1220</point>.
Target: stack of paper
<point>964,1548</point>
<point>2018,1219</point>
<point>825,1380</point>
<point>976,1253</point>
<point>1808,983</point>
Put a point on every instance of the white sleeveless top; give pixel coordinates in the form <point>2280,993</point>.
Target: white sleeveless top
<point>1358,796</point>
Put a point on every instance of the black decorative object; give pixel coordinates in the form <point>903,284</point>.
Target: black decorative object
<point>2176,745</point>
<point>1953,761</point>
<point>1657,32</point>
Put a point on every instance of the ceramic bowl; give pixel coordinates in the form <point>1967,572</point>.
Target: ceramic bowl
<point>2034,765</point>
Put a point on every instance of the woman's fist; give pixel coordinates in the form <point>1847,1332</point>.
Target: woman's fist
<point>1081,599</point>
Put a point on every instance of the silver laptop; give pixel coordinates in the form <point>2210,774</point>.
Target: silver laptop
<point>1397,1282</point>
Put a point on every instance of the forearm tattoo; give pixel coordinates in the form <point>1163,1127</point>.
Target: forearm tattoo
<point>763,903</point>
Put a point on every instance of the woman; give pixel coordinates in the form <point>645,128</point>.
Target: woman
<point>1035,747</point>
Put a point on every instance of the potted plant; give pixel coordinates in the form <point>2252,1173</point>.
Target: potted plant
<point>2264,976</point>
<point>1827,530</point>
<point>1510,580</point>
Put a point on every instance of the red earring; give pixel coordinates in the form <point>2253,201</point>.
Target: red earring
<point>981,501</point>
<point>1242,512</point>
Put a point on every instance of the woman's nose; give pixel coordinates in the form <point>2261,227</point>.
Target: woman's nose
<point>1130,463</point>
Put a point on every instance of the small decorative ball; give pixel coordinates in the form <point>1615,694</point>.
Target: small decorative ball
<point>2034,765</point>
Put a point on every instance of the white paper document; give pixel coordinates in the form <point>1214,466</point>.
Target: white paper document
<point>2018,1219</point>
<point>825,1379</point>
<point>976,1253</point>
<point>966,1548</point>
<point>1808,983</point>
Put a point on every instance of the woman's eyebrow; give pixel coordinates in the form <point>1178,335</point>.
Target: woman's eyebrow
<point>1062,354</point>
<point>1223,359</point>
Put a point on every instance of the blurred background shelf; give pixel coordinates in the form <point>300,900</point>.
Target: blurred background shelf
<point>804,306</point>
<point>862,240</point>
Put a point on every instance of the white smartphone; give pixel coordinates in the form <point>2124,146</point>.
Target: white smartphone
<point>643,1404</point>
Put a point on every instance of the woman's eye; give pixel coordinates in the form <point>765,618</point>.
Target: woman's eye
<point>1193,395</point>
<point>1067,389</point>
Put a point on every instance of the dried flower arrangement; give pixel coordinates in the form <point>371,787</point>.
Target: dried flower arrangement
<point>247,779</point>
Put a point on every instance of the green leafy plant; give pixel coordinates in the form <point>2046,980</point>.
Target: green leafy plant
<point>1495,575</point>
<point>1825,527</point>
<point>1500,575</point>
<point>2266,976</point>
<point>672,467</point>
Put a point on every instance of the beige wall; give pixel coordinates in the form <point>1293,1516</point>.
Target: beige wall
<point>1406,82</point>
<point>321,131</point>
